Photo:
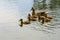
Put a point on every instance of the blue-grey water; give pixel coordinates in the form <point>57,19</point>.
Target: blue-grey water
<point>13,10</point>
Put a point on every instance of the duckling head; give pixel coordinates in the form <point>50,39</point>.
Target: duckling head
<point>32,8</point>
<point>21,22</point>
<point>29,15</point>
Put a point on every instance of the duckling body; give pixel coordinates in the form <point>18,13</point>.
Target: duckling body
<point>44,19</point>
<point>26,22</point>
<point>32,18</point>
<point>38,14</point>
<point>48,19</point>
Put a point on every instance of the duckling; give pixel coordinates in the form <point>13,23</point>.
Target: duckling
<point>33,11</point>
<point>39,17</point>
<point>38,14</point>
<point>25,22</point>
<point>43,19</point>
<point>47,20</point>
<point>31,18</point>
<point>44,14</point>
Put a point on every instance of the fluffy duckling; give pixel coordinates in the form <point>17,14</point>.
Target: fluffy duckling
<point>31,18</point>
<point>25,22</point>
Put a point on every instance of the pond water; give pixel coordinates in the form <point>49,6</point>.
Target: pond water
<point>13,10</point>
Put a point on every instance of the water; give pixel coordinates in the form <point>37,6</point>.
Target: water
<point>13,10</point>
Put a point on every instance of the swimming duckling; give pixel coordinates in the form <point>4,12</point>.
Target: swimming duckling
<point>42,19</point>
<point>47,20</point>
<point>31,18</point>
<point>25,22</point>
<point>44,14</point>
<point>38,13</point>
<point>33,11</point>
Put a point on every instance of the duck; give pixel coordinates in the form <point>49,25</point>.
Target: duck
<point>25,22</point>
<point>45,20</point>
<point>31,18</point>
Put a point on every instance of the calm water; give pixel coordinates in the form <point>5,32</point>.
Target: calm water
<point>13,10</point>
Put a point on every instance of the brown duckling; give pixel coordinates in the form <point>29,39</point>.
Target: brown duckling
<point>38,14</point>
<point>49,17</point>
<point>47,20</point>
<point>33,11</point>
<point>41,14</point>
<point>42,19</point>
<point>31,18</point>
<point>25,22</point>
<point>44,14</point>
